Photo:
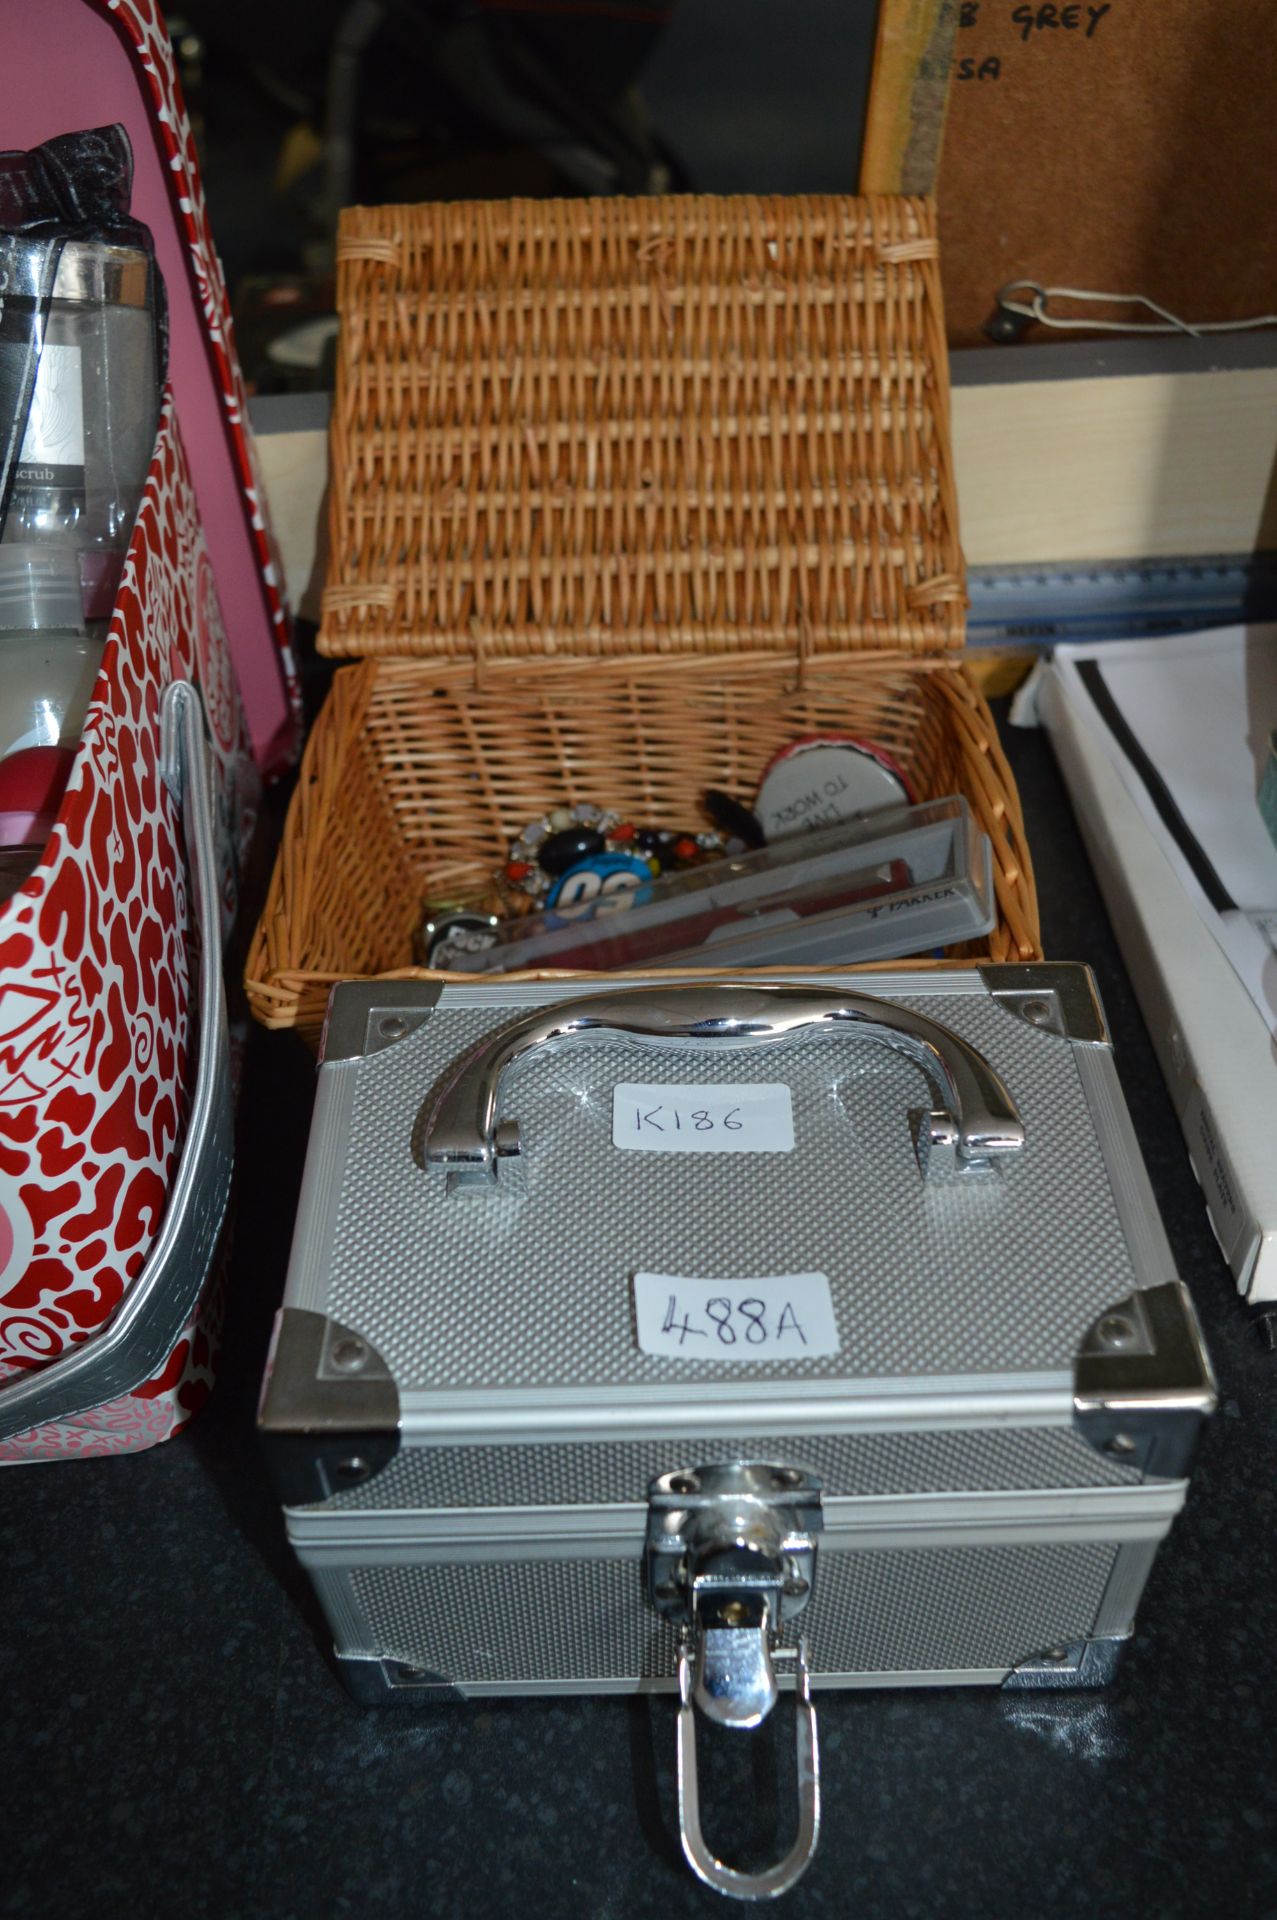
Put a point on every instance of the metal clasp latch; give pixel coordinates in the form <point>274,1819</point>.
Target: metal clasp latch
<point>731,1555</point>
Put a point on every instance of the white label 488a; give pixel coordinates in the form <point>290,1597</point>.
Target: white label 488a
<point>783,1317</point>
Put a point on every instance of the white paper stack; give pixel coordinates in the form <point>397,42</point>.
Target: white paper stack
<point>1163,744</point>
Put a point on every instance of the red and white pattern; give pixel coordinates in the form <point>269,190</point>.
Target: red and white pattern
<point>143,26</point>
<point>95,984</point>
<point>94,963</point>
<point>152,1412</point>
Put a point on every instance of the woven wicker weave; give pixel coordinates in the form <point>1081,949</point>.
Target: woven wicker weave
<point>677,426</point>
<point>625,496</point>
<point>412,787</point>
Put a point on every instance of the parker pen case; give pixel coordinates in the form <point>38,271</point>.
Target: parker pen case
<point>867,889</point>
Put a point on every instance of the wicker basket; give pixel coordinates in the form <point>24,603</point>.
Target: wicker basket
<point>625,496</point>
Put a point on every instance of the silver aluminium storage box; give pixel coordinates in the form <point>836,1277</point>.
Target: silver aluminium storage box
<point>525,1447</point>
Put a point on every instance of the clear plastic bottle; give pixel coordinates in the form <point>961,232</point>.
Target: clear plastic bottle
<point>48,662</point>
<point>94,412</point>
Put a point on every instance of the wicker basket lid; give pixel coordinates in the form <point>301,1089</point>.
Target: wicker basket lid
<point>612,429</point>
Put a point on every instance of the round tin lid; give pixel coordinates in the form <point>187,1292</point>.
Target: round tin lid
<point>825,778</point>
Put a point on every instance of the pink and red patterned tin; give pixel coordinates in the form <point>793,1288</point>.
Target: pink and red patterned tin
<point>95,961</point>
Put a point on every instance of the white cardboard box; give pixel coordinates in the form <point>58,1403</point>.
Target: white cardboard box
<point>1212,1042</point>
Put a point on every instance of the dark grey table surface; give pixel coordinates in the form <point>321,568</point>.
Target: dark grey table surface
<point>175,1741</point>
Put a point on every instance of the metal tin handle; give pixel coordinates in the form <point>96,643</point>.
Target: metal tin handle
<point>780,1878</point>
<point>161,1300</point>
<point>462,1136</point>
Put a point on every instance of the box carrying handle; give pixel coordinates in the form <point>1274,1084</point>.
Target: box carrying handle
<point>979,1121</point>
<point>150,1318</point>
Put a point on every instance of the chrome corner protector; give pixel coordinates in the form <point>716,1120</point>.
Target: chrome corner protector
<point>1143,1384</point>
<point>366,1016</point>
<point>1087,1663</point>
<point>374,1681</point>
<point>1055,996</point>
<point>329,1408</point>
